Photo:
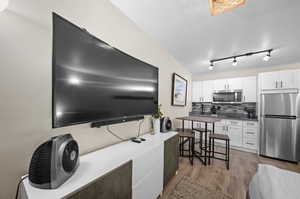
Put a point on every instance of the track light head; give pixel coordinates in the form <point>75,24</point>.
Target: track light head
<point>268,56</point>
<point>234,63</point>
<point>211,66</point>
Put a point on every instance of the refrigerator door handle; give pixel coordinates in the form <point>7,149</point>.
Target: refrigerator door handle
<point>291,117</point>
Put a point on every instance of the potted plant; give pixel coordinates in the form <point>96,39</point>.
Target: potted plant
<point>156,119</point>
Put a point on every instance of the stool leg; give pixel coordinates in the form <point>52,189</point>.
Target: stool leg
<point>209,151</point>
<point>228,153</point>
<point>213,148</point>
<point>200,143</point>
<point>190,144</point>
<point>179,146</point>
<point>193,149</point>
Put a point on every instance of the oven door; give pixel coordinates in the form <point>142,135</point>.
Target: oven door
<point>227,96</point>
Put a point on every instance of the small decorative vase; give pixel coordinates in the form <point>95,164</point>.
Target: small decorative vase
<point>156,126</point>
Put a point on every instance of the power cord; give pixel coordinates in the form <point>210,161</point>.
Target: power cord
<point>140,124</point>
<point>110,131</point>
<point>122,139</point>
<point>19,184</point>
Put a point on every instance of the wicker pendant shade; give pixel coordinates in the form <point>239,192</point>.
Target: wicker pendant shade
<point>220,6</point>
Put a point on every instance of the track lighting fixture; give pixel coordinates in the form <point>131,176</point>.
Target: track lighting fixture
<point>234,62</point>
<point>268,56</point>
<point>211,67</point>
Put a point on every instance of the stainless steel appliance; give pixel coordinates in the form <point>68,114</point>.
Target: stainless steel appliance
<point>228,96</point>
<point>280,126</point>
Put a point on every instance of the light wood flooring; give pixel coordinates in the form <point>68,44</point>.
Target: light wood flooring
<point>235,181</point>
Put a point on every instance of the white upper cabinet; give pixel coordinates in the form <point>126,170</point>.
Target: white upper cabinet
<point>249,89</point>
<point>269,80</point>
<point>196,91</point>
<point>228,84</point>
<point>220,84</point>
<point>234,83</point>
<point>287,79</point>
<point>207,90</point>
<point>202,91</point>
<point>278,80</point>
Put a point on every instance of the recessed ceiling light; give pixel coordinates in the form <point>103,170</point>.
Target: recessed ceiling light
<point>234,63</point>
<point>3,4</point>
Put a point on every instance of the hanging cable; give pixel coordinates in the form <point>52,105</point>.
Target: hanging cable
<point>140,124</point>
<point>110,131</point>
<point>122,139</point>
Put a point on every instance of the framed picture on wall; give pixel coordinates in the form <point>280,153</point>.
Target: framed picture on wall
<point>179,90</point>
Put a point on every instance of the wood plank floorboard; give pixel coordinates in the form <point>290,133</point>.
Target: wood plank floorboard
<point>243,166</point>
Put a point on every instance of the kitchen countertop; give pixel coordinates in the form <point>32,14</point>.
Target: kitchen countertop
<point>200,118</point>
<point>231,117</point>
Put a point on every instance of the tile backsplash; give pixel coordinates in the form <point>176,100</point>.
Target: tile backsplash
<point>225,109</point>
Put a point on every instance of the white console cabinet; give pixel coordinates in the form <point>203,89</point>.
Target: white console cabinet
<point>147,169</point>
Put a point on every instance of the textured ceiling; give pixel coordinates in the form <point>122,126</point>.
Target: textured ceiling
<point>189,32</point>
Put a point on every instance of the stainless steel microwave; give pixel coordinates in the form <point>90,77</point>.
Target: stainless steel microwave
<point>228,96</point>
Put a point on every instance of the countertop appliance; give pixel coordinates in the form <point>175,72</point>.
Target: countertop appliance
<point>165,124</point>
<point>54,162</point>
<point>280,126</point>
<point>228,96</point>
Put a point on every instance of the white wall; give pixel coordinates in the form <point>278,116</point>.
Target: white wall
<point>25,78</point>
<point>244,72</point>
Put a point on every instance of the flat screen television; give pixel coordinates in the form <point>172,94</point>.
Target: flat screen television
<point>93,81</point>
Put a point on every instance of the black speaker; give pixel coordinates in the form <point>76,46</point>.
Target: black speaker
<point>54,162</point>
<point>165,124</point>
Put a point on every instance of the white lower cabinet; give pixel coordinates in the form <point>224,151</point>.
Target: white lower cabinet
<point>242,134</point>
<point>250,135</point>
<point>236,136</point>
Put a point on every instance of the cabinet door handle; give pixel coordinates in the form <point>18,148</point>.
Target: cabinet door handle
<point>244,98</point>
<point>250,133</point>
<point>276,84</point>
<point>250,143</point>
<point>281,84</point>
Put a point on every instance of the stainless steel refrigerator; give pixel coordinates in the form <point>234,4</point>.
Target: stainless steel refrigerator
<point>280,126</point>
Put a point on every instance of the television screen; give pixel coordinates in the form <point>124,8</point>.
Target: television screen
<point>93,81</point>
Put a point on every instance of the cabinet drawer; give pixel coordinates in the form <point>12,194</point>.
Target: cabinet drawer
<point>235,123</point>
<point>250,143</point>
<point>221,123</point>
<point>220,130</point>
<point>202,125</point>
<point>250,133</point>
<point>249,124</point>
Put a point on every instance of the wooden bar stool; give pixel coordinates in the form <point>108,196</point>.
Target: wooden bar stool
<point>186,137</point>
<point>211,154</point>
